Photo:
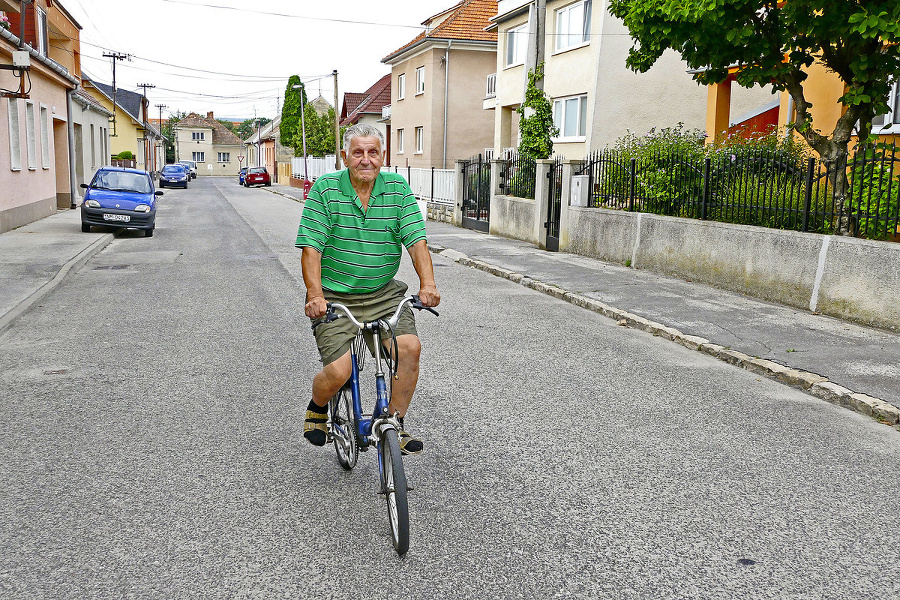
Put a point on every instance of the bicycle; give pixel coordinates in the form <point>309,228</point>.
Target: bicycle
<point>351,431</point>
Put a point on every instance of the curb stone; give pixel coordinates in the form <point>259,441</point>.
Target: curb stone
<point>811,383</point>
<point>72,265</point>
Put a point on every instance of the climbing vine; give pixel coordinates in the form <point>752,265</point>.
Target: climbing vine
<point>536,119</point>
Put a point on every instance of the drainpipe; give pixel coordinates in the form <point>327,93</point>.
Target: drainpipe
<point>70,131</point>
<point>446,94</point>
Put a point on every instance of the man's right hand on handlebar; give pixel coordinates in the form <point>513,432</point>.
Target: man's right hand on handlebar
<point>316,307</point>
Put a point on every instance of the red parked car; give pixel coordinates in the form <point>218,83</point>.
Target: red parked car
<point>257,176</point>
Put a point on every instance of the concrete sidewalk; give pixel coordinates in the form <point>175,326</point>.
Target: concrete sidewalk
<point>841,362</point>
<point>35,258</point>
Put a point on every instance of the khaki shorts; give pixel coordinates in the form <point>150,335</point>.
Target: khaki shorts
<point>334,339</point>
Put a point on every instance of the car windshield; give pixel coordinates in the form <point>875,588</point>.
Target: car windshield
<point>173,169</point>
<point>122,181</point>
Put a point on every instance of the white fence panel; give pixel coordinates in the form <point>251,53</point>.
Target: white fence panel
<point>316,165</point>
<point>420,182</point>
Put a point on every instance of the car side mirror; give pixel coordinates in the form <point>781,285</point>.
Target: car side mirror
<point>158,193</point>
<point>85,186</point>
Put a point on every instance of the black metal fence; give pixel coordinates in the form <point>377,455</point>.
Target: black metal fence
<point>753,186</point>
<point>517,176</point>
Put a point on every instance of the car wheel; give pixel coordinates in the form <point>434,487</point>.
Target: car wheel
<point>149,232</point>
<point>85,228</point>
<point>268,183</point>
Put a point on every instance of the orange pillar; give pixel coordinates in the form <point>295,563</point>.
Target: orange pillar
<point>718,107</point>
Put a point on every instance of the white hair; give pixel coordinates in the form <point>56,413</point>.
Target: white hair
<point>363,130</point>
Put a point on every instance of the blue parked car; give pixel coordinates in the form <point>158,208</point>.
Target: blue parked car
<point>241,175</point>
<point>123,198</point>
<point>174,175</point>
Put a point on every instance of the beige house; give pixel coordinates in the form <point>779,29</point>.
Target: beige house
<point>209,144</point>
<point>437,80</point>
<point>36,170</point>
<point>596,98</point>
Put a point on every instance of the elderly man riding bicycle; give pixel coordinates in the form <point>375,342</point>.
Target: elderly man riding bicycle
<point>353,229</point>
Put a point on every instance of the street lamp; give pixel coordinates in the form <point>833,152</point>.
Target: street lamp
<point>300,86</point>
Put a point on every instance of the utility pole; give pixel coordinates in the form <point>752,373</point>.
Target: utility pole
<point>114,56</point>
<point>144,107</point>
<point>162,140</point>
<point>337,126</point>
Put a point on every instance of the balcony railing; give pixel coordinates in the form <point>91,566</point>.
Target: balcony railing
<point>491,91</point>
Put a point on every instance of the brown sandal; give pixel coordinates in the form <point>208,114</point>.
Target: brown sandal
<point>314,428</point>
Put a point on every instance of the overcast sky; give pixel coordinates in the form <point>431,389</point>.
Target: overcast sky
<point>226,57</point>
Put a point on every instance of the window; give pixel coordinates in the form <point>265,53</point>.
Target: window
<point>401,86</point>
<point>420,80</point>
<point>30,142</point>
<point>94,147</point>
<point>890,121</point>
<point>198,135</point>
<point>15,150</point>
<point>41,32</point>
<point>573,25</point>
<point>516,44</point>
<point>570,116</point>
<point>399,141</point>
<point>420,139</point>
<point>224,157</point>
<point>198,156</point>
<point>45,139</point>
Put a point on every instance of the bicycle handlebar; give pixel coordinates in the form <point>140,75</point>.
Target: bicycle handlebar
<point>413,301</point>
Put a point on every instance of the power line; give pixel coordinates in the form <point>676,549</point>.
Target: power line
<point>290,16</point>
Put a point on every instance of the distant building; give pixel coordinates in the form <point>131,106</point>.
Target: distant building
<point>208,143</point>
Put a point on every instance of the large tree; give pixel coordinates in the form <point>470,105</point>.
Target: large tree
<point>319,133</point>
<point>294,101</point>
<point>773,42</point>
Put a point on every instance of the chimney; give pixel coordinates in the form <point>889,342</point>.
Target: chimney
<point>209,115</point>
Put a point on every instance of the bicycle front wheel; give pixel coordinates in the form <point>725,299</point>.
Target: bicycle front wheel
<point>343,428</point>
<point>394,488</point>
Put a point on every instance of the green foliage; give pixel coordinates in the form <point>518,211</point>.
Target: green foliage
<point>536,119</point>
<point>125,155</point>
<point>294,101</point>
<point>753,181</point>
<point>319,133</point>
<point>248,126</point>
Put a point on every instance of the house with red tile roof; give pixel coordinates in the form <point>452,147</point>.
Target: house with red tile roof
<point>368,107</point>
<point>437,88</point>
<point>209,144</point>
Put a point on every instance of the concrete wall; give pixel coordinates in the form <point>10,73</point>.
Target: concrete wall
<point>513,218</point>
<point>844,277</point>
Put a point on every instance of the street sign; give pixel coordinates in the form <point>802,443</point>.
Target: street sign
<point>240,159</point>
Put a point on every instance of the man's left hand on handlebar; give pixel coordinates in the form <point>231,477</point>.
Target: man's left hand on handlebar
<point>429,296</point>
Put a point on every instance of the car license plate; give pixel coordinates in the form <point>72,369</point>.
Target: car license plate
<point>123,218</point>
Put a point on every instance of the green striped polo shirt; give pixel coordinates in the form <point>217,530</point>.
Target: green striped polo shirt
<point>360,250</point>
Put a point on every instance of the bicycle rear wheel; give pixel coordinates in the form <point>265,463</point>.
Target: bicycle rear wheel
<point>343,428</point>
<point>394,488</point>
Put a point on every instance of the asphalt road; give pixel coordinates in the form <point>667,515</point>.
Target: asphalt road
<point>150,416</point>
